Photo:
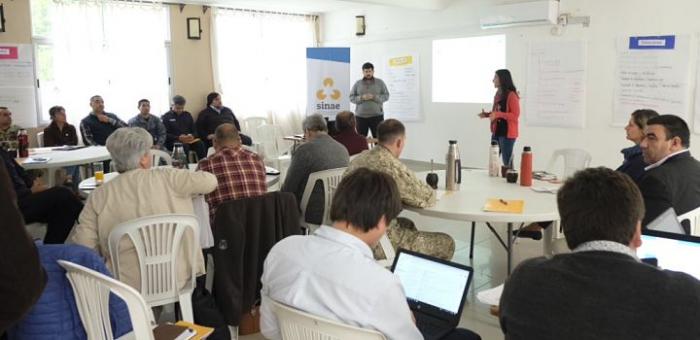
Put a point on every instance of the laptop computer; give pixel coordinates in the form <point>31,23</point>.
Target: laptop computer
<point>435,291</point>
<point>667,222</point>
<point>677,252</point>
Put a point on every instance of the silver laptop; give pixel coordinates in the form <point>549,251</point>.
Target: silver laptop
<point>435,291</point>
<point>672,251</point>
<point>667,222</point>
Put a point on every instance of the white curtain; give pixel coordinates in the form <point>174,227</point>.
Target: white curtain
<point>260,64</point>
<point>113,49</point>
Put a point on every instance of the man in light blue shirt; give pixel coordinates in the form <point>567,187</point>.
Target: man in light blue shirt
<point>333,274</point>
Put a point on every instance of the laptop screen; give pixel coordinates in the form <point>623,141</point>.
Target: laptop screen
<point>673,252</point>
<point>428,281</point>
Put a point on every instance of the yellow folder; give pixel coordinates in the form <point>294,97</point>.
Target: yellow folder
<point>202,332</point>
<point>506,206</point>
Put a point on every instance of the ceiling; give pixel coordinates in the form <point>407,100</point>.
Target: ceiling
<point>319,6</point>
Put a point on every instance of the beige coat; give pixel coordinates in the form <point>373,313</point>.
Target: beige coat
<point>140,193</point>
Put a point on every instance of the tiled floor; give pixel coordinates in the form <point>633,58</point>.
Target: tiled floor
<point>489,264</point>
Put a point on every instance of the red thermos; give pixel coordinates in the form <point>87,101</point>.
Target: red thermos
<point>23,143</point>
<point>526,167</point>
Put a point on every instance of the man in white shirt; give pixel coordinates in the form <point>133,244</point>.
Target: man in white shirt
<point>672,180</point>
<point>333,274</point>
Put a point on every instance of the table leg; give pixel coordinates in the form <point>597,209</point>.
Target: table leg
<point>471,243</point>
<point>509,249</point>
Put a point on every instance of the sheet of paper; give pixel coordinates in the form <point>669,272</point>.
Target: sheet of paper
<point>490,296</point>
<point>652,78</point>
<point>556,84</point>
<point>402,79</point>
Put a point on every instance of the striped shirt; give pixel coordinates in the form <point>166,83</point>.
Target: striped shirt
<point>241,174</point>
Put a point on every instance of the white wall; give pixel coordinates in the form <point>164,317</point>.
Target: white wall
<point>395,30</point>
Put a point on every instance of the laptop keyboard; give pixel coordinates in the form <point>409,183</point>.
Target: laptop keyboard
<point>430,327</point>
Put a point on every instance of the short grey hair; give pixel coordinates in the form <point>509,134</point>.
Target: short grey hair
<point>315,122</point>
<point>127,145</point>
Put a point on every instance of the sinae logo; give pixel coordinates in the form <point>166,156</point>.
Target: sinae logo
<point>325,92</point>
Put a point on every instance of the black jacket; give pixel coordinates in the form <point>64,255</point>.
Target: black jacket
<point>208,120</point>
<point>53,136</point>
<point>676,183</point>
<point>598,295</point>
<point>177,125</point>
<point>244,232</point>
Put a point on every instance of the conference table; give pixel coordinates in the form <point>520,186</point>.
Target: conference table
<point>53,158</point>
<point>200,206</point>
<point>467,204</point>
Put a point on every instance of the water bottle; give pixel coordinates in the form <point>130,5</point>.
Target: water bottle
<point>526,167</point>
<point>494,164</point>
<point>23,143</point>
<point>179,157</point>
<point>454,167</point>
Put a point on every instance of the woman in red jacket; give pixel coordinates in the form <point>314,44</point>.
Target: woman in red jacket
<point>504,115</point>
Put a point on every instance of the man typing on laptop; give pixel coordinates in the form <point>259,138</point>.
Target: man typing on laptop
<point>332,273</point>
<point>600,290</point>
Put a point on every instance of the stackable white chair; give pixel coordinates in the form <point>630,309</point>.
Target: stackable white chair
<point>297,325</point>
<point>158,240</point>
<point>160,155</point>
<point>91,290</point>
<point>574,160</point>
<point>330,180</point>
<point>250,126</point>
<point>270,146</point>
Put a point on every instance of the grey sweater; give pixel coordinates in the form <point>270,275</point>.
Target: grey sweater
<point>321,153</point>
<point>372,107</point>
<point>598,295</point>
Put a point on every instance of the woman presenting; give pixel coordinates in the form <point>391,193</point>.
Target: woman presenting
<point>504,115</point>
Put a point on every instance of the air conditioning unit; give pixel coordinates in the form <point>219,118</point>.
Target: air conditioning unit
<point>521,14</point>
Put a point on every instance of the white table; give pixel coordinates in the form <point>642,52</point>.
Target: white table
<point>59,159</point>
<point>466,204</point>
<point>87,185</point>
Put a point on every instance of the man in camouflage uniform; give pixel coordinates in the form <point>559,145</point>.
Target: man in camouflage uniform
<point>402,232</point>
<point>8,132</point>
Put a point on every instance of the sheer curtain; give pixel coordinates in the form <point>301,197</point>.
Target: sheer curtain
<point>260,64</point>
<point>113,49</point>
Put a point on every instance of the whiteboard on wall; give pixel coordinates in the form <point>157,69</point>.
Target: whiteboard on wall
<point>402,78</point>
<point>652,73</point>
<point>556,84</point>
<point>17,90</point>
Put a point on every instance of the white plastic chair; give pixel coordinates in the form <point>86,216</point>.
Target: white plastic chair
<point>269,141</point>
<point>693,217</point>
<point>574,160</point>
<point>297,325</point>
<point>330,179</point>
<point>91,290</point>
<point>40,139</point>
<point>158,156</point>
<point>158,240</point>
<point>250,126</point>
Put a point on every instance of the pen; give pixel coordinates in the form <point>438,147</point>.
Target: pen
<point>503,201</point>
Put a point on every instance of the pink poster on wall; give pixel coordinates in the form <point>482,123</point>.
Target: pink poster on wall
<point>9,52</point>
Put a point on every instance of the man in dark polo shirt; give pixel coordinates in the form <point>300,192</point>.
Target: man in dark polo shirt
<point>179,126</point>
<point>98,125</point>
<point>214,115</point>
<point>600,290</point>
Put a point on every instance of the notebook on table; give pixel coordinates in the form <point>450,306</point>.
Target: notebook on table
<point>435,290</point>
<point>677,252</point>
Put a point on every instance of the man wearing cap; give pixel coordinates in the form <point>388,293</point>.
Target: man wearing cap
<point>179,127</point>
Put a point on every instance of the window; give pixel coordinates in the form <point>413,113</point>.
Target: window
<point>261,64</point>
<point>113,49</point>
<point>463,68</point>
